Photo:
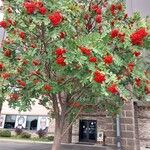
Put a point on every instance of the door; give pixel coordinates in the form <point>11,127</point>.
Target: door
<point>88,131</point>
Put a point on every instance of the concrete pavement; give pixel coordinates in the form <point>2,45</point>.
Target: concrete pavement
<point>5,145</point>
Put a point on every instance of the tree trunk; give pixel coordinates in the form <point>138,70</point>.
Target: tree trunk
<point>57,141</point>
<point>57,136</point>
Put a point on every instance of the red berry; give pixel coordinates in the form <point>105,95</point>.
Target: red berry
<point>3,24</point>
<point>113,9</point>
<point>14,96</point>
<point>137,54</point>
<point>60,51</point>
<point>114,33</point>
<point>85,50</point>
<point>131,66</point>
<point>36,62</point>
<point>99,11</point>
<point>99,77</point>
<point>56,18</point>
<point>98,19</point>
<point>21,83</point>
<point>42,10</point>
<point>47,87</point>
<point>86,16</point>
<point>5,75</point>
<point>108,59</point>
<point>120,7</point>
<point>1,66</point>
<point>29,7</point>
<point>60,61</point>
<point>9,9</point>
<point>137,82</point>
<point>7,53</point>
<point>25,62</point>
<point>93,59</point>
<point>113,89</point>
<point>22,35</point>
<point>36,73</point>
<point>62,35</point>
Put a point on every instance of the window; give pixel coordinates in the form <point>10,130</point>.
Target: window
<point>10,121</point>
<point>31,123</point>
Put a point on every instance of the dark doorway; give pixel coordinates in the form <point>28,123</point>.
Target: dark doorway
<point>88,131</point>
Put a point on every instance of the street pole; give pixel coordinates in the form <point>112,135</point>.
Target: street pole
<point>118,133</point>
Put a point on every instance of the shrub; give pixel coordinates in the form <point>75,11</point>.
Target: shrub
<point>5,133</point>
<point>25,135</point>
<point>50,138</point>
<point>41,133</point>
<point>18,131</point>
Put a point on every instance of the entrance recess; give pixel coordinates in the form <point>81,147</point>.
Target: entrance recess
<point>88,131</point>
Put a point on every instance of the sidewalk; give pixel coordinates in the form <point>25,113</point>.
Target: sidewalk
<point>71,146</point>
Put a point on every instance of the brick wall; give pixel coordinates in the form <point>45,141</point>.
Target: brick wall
<point>129,130</point>
<point>144,126</point>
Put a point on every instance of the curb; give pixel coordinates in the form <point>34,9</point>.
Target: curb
<point>24,141</point>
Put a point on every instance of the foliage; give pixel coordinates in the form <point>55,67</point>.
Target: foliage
<point>25,135</point>
<point>50,138</point>
<point>73,56</point>
<point>5,133</point>
<point>18,131</point>
<point>41,133</point>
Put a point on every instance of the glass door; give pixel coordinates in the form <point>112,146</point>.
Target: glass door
<point>88,131</point>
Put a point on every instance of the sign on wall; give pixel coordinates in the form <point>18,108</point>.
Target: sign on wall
<point>2,121</point>
<point>100,136</point>
<point>20,122</point>
<point>43,123</point>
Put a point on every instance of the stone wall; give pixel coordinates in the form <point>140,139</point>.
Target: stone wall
<point>144,126</point>
<point>129,128</point>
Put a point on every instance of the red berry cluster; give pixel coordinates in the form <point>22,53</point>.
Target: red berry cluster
<point>36,62</point>
<point>138,36</point>
<point>98,11</point>
<point>131,66</point>
<point>116,34</point>
<point>31,7</point>
<point>60,59</point>
<point>3,24</point>
<point>85,51</point>
<point>137,82</point>
<point>88,53</point>
<point>22,35</point>
<point>5,75</point>
<point>7,53</point>
<point>56,18</point>
<point>137,54</point>
<point>47,87</point>
<point>6,23</point>
<point>113,89</point>
<point>21,83</point>
<point>14,96</point>
<point>114,9</point>
<point>108,59</point>
<point>99,77</point>
<point>94,8</point>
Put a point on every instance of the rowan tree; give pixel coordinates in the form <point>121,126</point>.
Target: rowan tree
<point>73,57</point>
